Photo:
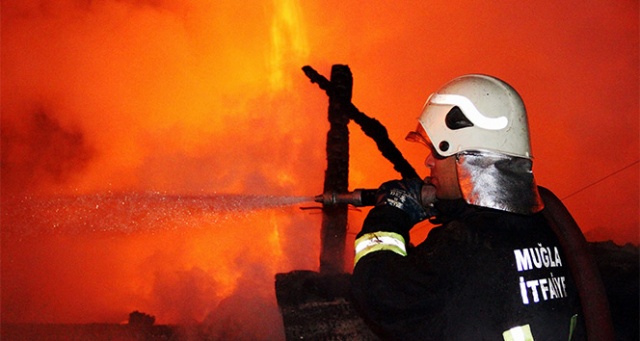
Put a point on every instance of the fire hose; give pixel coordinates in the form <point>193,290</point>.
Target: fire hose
<point>593,297</point>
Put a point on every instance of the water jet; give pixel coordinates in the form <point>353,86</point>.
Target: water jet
<point>127,211</point>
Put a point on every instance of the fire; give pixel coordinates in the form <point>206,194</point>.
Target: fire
<point>196,98</point>
<point>288,42</point>
<point>98,258</point>
<point>141,98</point>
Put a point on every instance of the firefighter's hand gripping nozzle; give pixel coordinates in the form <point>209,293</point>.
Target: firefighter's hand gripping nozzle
<point>368,197</point>
<point>359,197</point>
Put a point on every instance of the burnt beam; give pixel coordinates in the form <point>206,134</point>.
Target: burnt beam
<point>334,217</point>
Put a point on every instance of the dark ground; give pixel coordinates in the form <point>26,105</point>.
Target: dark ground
<point>620,271</point>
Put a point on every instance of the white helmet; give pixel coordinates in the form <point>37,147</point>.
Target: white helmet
<point>477,113</point>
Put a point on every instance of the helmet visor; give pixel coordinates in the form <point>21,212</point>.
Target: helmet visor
<point>420,136</point>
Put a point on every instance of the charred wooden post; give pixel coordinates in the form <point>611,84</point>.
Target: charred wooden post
<point>336,179</point>
<point>317,305</point>
<point>370,126</point>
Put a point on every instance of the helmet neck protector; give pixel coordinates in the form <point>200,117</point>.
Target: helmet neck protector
<point>498,181</point>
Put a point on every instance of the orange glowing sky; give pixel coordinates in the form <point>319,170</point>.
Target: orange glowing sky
<point>201,97</point>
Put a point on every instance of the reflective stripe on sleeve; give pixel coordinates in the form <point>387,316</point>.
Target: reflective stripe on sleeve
<point>378,241</point>
<point>572,325</point>
<point>519,333</point>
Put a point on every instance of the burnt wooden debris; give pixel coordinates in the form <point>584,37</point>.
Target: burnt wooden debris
<point>370,126</point>
<point>336,177</point>
<point>341,111</point>
<point>316,305</point>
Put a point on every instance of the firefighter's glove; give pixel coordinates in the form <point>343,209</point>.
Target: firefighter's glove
<point>403,194</point>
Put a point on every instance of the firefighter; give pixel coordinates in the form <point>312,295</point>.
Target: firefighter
<point>492,268</point>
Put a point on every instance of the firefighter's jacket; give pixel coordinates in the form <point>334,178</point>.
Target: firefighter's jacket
<point>481,275</point>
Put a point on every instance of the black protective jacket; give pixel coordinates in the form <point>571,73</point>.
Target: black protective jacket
<point>479,274</point>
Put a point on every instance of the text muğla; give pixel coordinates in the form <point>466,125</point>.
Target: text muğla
<point>541,289</point>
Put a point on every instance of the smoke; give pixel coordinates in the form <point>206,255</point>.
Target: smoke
<point>185,296</point>
<point>157,85</point>
<point>199,98</point>
<point>38,151</point>
<point>176,98</point>
<point>248,313</point>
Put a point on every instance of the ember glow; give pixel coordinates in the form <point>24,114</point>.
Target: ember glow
<point>197,98</point>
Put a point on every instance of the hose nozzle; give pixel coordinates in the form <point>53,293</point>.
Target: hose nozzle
<point>359,197</point>
<point>367,197</point>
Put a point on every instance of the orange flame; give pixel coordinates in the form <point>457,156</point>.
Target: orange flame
<point>198,97</point>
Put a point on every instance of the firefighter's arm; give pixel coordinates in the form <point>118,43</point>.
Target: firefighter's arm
<point>387,287</point>
<point>398,208</point>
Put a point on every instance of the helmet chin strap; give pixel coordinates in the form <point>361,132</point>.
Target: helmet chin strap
<point>498,181</point>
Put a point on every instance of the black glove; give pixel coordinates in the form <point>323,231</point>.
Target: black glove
<point>406,195</point>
